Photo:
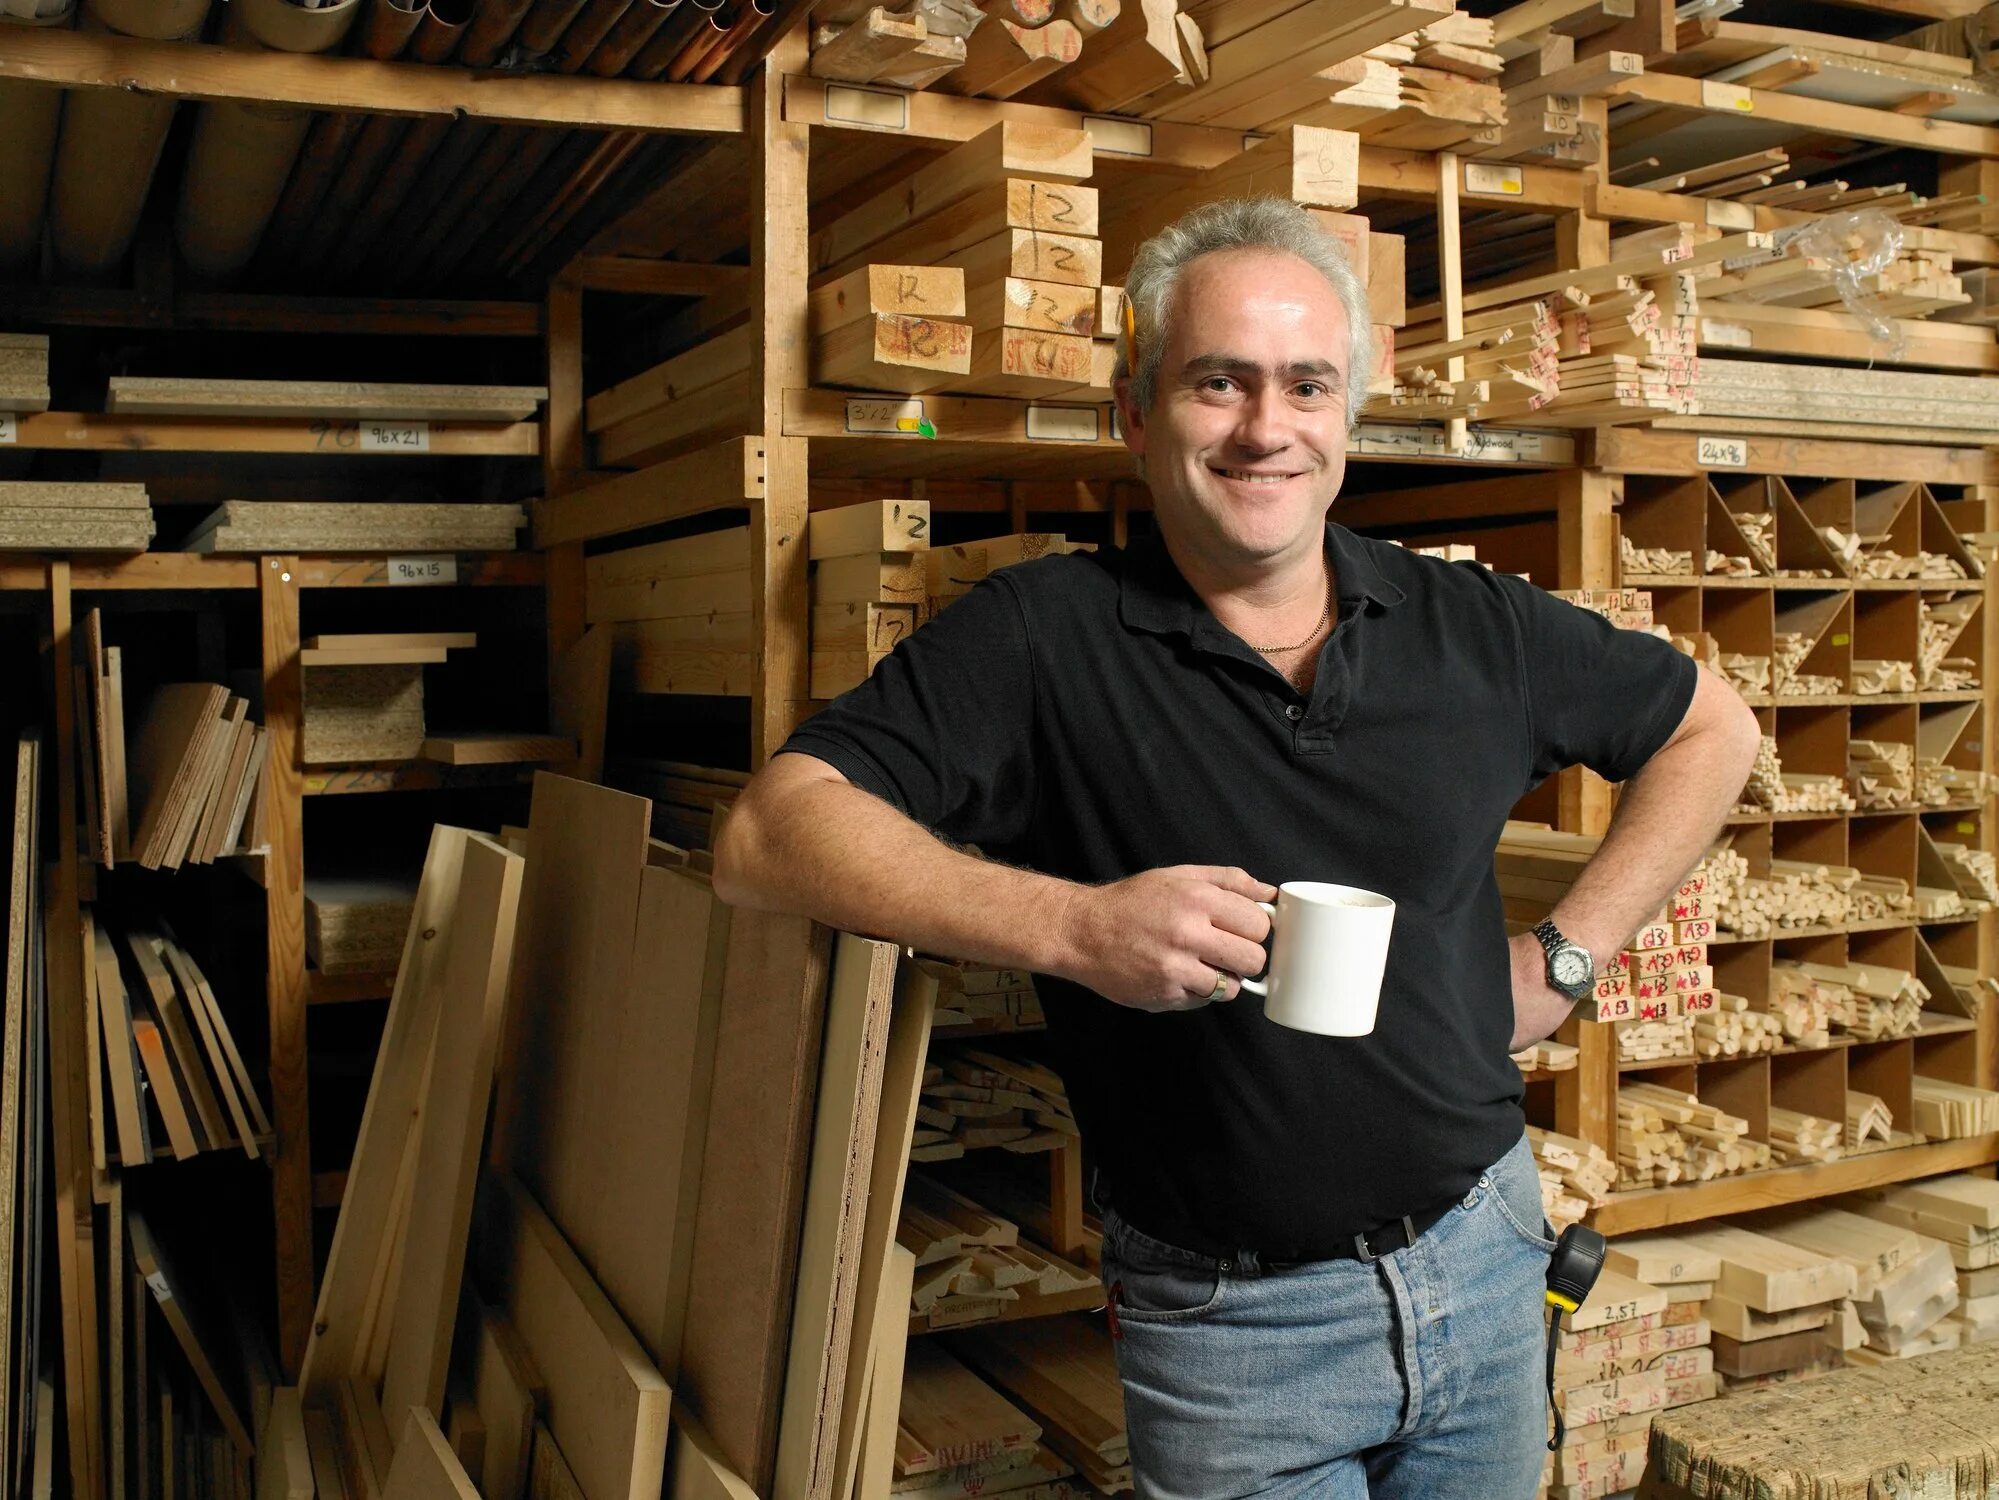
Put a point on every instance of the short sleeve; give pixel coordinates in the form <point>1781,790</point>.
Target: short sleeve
<point>943,727</point>
<point>1597,695</point>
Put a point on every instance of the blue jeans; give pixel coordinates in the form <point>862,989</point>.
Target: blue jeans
<point>1417,1377</point>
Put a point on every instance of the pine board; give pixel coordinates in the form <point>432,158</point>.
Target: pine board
<point>333,399</point>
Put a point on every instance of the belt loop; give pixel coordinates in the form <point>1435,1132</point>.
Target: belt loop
<point>1408,1232</point>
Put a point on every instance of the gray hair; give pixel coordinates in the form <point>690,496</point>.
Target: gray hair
<point>1237,224</point>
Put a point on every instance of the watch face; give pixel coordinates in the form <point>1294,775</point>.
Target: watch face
<point>1572,966</point>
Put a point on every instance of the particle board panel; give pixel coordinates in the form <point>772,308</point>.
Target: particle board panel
<point>330,399</point>
<point>753,1175</point>
<point>607,1405</point>
<point>831,1250</point>
<point>472,984</point>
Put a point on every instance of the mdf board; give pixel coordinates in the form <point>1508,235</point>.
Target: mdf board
<point>189,1329</point>
<point>284,1462</point>
<point>363,1233</point>
<point>160,764</point>
<point>695,1469</point>
<point>753,1182</point>
<point>836,1215</point>
<point>607,1405</point>
<point>496,748</point>
<point>472,984</point>
<point>506,1393</point>
<point>425,1468</point>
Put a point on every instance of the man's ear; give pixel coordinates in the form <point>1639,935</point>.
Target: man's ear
<point>1130,418</point>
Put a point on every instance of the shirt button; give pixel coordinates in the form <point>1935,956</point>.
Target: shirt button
<point>1293,712</point>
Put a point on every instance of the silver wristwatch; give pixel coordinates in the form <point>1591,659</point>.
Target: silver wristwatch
<point>1570,967</point>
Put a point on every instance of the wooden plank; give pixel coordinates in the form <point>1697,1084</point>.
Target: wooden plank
<point>579,700</point>
<point>496,748</point>
<point>23,859</point>
<point>284,1461</point>
<point>189,1329</point>
<point>725,476</point>
<point>439,640</point>
<point>472,984</point>
<point>120,1051</point>
<point>425,1467</point>
<point>607,1405</point>
<point>188,70</point>
<point>836,1215</point>
<point>875,1465</point>
<point>361,1236</point>
<point>745,1246</point>
<point>698,1471</point>
<point>881,1298</point>
<point>166,1003</point>
<point>507,1393</point>
<point>873,526</point>
<point>320,400</point>
<point>104,431</point>
<point>1821,116</point>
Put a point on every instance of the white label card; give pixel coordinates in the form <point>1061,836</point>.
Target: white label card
<point>882,109</point>
<point>394,437</point>
<point>1483,177</point>
<point>439,569</point>
<point>1727,335</point>
<point>1721,452</point>
<point>1717,95</point>
<point>886,414</point>
<point>1062,424</point>
<point>1119,137</point>
<point>8,431</point>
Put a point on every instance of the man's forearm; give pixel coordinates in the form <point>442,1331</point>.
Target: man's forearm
<point>846,858</point>
<point>1666,820</point>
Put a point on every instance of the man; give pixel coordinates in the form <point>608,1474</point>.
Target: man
<point>1324,1256</point>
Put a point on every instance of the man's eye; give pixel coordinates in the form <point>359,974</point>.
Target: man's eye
<point>1218,383</point>
<point>1311,389</point>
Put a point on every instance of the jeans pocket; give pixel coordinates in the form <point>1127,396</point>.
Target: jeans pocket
<point>1516,1189</point>
<point>1157,1289</point>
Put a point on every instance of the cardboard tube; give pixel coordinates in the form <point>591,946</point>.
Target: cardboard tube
<point>109,144</point>
<point>29,115</point>
<point>242,154</point>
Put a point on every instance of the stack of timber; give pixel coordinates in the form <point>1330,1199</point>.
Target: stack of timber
<point>99,676</point>
<point>341,526</point>
<point>1664,1136</point>
<point>1545,87</point>
<point>80,516</point>
<point>956,1435</point>
<point>678,612</point>
<point>1650,1041</point>
<point>1881,773</point>
<point>167,1045</point>
<point>697,396</point>
<point>1669,561</point>
<point>1803,1011</point>
<point>1796,1136</point>
<point>1734,1028</point>
<point>1872,1002</point>
<point>867,561</point>
<point>1963,1213</point>
<point>329,400</point>
<point>1947,1111</point>
<point>1730,890</point>
<point>1975,871</point>
<point>1063,1373</point>
<point>904,328</point>
<point>390,1300</point>
<point>24,372</point>
<point>1576,1175</point>
<point>197,775</point>
<point>1779,1311</point>
<point>1905,1287</point>
<point>908,48</point>
<point>1625,1354</point>
<point>1627,609</point>
<point>1147,51</point>
<point>1943,622</point>
<point>1826,401</point>
<point>978,1000</point>
<point>973,1098</point>
<point>1791,648</point>
<point>356,925</point>
<point>1546,1057</point>
<point>1621,347</point>
<point>950,573</point>
<point>363,694</point>
<point>971,1263</point>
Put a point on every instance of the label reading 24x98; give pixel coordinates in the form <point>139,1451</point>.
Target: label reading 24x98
<point>1721,452</point>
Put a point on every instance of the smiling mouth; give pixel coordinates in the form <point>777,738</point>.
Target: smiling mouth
<point>1253,476</point>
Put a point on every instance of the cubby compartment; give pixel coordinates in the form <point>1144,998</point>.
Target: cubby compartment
<point>1884,850</point>
<point>1950,747</point>
<point>1881,757</point>
<point>1941,538</point>
<point>1887,645</point>
<point>1743,625</point>
<point>1811,644</point>
<point>1812,743</point>
<point>1888,519</point>
<point>1812,1082</point>
<point>1950,635</point>
<point>1741,1087</point>
<point>1803,549</point>
<point>1662,515</point>
<point>1886,1070</point>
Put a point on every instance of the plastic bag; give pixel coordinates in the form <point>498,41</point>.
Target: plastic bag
<point>1863,242</point>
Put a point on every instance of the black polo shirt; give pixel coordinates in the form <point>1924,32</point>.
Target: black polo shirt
<point>1089,717</point>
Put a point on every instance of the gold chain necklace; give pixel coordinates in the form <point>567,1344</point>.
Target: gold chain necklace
<point>1324,615</point>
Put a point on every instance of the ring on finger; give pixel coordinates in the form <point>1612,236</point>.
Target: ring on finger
<point>1221,988</point>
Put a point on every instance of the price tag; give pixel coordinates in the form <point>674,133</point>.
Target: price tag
<point>878,109</point>
<point>8,432</point>
<point>1841,640</point>
<point>1484,177</point>
<point>884,414</point>
<point>395,437</point>
<point>1118,137</point>
<point>1967,828</point>
<point>1733,96</point>
<point>1726,335</point>
<point>1721,452</point>
<point>1117,425</point>
<point>1062,424</point>
<point>440,569</point>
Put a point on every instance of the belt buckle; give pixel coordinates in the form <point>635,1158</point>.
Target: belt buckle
<point>1368,1257</point>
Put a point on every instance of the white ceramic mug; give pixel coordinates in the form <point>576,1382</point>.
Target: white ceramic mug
<point>1331,945</point>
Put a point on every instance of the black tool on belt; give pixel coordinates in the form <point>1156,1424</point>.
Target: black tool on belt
<point>1572,1271</point>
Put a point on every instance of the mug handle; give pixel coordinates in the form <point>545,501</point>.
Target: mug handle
<point>1261,987</point>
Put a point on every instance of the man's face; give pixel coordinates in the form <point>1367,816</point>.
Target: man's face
<point>1245,444</point>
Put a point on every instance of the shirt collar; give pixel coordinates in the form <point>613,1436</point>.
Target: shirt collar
<point>1154,597</point>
